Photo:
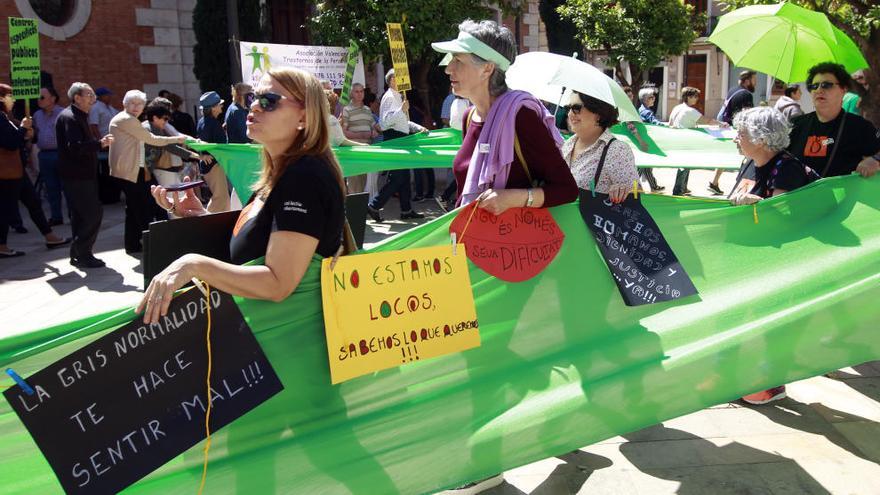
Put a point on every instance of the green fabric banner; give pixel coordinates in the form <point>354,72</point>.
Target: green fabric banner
<point>675,148</point>
<point>563,362</point>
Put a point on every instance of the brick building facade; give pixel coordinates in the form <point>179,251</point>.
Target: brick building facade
<point>120,44</point>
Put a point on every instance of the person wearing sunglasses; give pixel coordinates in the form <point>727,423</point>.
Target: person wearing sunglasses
<point>488,167</point>
<point>236,114</point>
<point>128,164</point>
<point>829,140</point>
<point>597,159</point>
<point>296,214</point>
<point>164,162</point>
<point>44,125</point>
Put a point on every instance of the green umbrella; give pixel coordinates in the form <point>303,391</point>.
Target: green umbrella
<point>784,40</point>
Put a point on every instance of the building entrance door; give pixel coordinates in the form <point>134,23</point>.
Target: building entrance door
<point>695,77</point>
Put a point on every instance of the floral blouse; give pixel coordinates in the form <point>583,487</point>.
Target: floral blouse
<point>619,168</point>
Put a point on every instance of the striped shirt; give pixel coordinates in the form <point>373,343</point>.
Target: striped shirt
<point>359,119</point>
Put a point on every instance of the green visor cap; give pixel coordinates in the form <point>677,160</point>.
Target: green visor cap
<point>465,43</point>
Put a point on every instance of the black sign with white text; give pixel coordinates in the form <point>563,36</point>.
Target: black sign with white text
<point>640,260</point>
<point>115,410</point>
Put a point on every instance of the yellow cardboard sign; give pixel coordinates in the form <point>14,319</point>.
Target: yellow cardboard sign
<point>383,310</point>
<point>398,56</point>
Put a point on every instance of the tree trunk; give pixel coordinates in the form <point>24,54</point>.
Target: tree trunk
<point>422,90</point>
<point>870,105</point>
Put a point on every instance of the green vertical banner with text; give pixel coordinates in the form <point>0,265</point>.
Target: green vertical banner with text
<point>24,57</point>
<point>350,65</point>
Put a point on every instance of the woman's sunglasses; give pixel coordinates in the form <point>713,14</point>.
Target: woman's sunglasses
<point>576,108</point>
<point>824,85</point>
<point>269,101</point>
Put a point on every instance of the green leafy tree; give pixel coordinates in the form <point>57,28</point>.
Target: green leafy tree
<point>638,32</point>
<point>423,22</point>
<point>860,19</point>
<point>211,53</point>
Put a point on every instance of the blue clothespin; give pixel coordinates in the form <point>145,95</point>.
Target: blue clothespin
<point>20,381</point>
<point>593,187</point>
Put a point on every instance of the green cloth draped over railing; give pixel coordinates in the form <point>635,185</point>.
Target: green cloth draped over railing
<point>563,362</point>
<point>678,148</point>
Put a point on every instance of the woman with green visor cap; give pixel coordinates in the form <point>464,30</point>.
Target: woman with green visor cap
<point>510,154</point>
<point>518,163</point>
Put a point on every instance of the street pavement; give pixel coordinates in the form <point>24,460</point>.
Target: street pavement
<point>823,439</point>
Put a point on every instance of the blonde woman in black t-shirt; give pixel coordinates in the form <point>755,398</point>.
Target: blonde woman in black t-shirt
<point>296,211</point>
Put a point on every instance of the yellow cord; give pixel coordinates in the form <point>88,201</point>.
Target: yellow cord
<point>755,211</point>
<point>208,384</point>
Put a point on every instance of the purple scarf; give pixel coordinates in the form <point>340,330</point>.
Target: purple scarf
<point>491,167</point>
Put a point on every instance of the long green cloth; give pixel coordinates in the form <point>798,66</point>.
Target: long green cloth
<point>676,148</point>
<point>563,362</point>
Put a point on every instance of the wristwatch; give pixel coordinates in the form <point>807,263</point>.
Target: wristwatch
<point>531,198</point>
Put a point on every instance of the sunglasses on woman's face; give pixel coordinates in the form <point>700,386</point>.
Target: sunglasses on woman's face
<point>575,109</point>
<point>269,101</point>
<point>826,85</point>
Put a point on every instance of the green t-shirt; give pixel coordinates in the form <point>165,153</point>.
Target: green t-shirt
<point>850,102</point>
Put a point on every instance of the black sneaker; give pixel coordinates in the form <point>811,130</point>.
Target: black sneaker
<point>658,189</point>
<point>374,214</point>
<point>418,199</point>
<point>90,262</point>
<point>411,215</point>
<point>715,189</point>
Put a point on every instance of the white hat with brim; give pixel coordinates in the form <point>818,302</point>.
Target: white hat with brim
<point>465,43</point>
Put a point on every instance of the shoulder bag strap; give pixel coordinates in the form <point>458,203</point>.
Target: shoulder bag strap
<point>522,159</point>
<point>836,143</point>
<point>602,162</point>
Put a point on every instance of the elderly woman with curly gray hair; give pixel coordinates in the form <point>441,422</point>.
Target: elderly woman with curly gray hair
<point>762,136</point>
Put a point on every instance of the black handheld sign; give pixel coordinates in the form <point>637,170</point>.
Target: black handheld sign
<point>641,262</point>
<point>115,410</point>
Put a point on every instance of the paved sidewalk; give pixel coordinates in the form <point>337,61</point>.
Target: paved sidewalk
<point>825,438</point>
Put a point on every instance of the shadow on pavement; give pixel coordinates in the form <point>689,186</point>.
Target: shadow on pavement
<point>567,478</point>
<point>96,279</point>
<point>701,467</point>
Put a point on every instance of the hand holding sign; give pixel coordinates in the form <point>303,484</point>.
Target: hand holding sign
<point>514,246</point>
<point>115,410</point>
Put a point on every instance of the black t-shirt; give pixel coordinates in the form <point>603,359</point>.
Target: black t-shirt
<point>812,142</point>
<point>306,199</point>
<point>738,99</point>
<point>783,171</point>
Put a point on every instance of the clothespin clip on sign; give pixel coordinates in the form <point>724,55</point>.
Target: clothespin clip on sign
<point>593,187</point>
<point>20,381</point>
<point>755,211</point>
<point>454,243</point>
<point>636,188</point>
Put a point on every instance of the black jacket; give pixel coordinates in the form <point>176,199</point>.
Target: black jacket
<point>77,147</point>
